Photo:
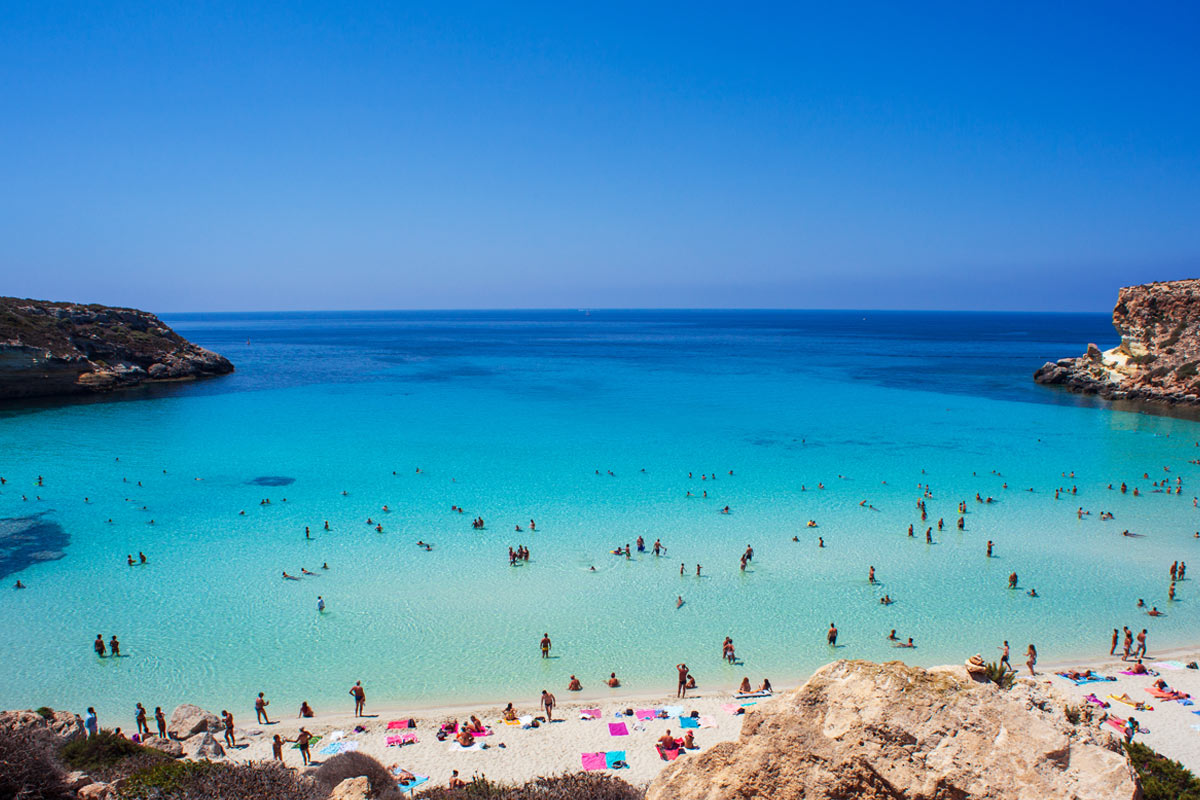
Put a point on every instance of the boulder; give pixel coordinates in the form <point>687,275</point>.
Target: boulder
<point>890,731</point>
<point>63,724</point>
<point>203,747</point>
<point>188,720</point>
<point>77,780</point>
<point>352,789</point>
<point>168,746</point>
<point>93,791</point>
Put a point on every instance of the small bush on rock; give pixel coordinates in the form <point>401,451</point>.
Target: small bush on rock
<point>28,768</point>
<point>577,786</point>
<point>102,755</point>
<point>204,780</point>
<point>999,674</point>
<point>1162,778</point>
<point>354,765</point>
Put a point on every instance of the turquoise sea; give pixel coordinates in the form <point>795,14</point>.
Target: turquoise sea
<point>522,415</point>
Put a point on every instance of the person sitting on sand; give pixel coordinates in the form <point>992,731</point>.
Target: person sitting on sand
<point>667,742</point>
<point>689,743</point>
<point>464,738</point>
<point>476,725</point>
<point>1139,668</point>
<point>305,709</point>
<point>612,680</point>
<point>509,714</point>
<point>765,688</point>
<point>691,682</point>
<point>745,686</point>
<point>574,685</point>
<point>455,781</point>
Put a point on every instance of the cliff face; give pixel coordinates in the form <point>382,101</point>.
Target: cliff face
<point>1158,356</point>
<point>64,348</point>
<point>889,731</point>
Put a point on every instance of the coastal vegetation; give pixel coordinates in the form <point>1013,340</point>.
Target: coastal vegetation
<point>1161,777</point>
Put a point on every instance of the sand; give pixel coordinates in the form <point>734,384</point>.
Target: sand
<point>515,754</point>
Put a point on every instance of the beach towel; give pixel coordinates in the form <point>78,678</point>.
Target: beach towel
<point>646,713</point>
<point>672,711</point>
<point>1133,703</point>
<point>612,757</point>
<point>311,742</point>
<point>593,761</point>
<point>401,739</point>
<point>1082,681</point>
<point>1170,665</point>
<point>668,755</point>
<point>1091,698</point>
<point>416,781</point>
<point>525,721</point>
<point>1161,695</point>
<point>333,737</point>
<point>689,722</point>
<point>1117,723</point>
<point>731,708</point>
<point>1130,672</point>
<point>333,748</point>
<point>400,723</point>
<point>589,713</point>
<point>455,747</point>
<point>748,695</point>
<point>484,732</point>
<point>617,729</point>
<point>707,722</point>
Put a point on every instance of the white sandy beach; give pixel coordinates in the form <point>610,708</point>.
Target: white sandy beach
<point>516,754</point>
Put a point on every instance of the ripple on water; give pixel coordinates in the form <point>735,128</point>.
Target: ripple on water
<point>25,541</point>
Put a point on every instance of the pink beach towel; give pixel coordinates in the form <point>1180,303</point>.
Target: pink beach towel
<point>617,729</point>
<point>592,761</point>
<point>646,713</point>
<point>399,723</point>
<point>707,722</point>
<point>589,713</point>
<point>407,738</point>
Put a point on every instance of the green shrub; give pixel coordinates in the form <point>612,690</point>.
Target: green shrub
<point>1162,778</point>
<point>204,780</point>
<point>354,765</point>
<point>28,768</point>
<point>1000,675</point>
<point>46,712</point>
<point>578,786</point>
<point>104,753</point>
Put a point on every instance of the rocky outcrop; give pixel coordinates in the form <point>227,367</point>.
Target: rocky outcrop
<point>63,724</point>
<point>352,789</point>
<point>64,348</point>
<point>891,732</point>
<point>188,720</point>
<point>168,746</point>
<point>1158,358</point>
<point>203,746</point>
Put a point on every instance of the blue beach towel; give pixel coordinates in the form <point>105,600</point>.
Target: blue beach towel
<point>689,722</point>
<point>417,781</point>
<point>672,711</point>
<point>612,757</point>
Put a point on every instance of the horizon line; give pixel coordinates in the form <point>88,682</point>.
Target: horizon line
<point>590,309</point>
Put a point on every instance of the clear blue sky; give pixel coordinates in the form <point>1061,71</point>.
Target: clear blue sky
<point>227,156</point>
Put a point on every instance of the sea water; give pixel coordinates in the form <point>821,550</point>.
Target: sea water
<point>523,415</point>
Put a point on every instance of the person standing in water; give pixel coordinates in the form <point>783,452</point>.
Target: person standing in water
<point>681,690</point>
<point>545,645</point>
<point>114,646</point>
<point>360,698</point>
<point>832,635</point>
<point>98,645</point>
<point>320,604</point>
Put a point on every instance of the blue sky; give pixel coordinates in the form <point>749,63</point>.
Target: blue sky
<point>240,156</point>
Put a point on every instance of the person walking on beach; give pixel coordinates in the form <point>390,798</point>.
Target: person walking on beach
<point>140,719</point>
<point>546,645</point>
<point>360,698</point>
<point>1141,644</point>
<point>1112,651</point>
<point>832,635</point>
<point>1004,656</point>
<point>161,721</point>
<point>548,703</point>
<point>681,690</point>
<point>1032,662</point>
<point>302,739</point>
<point>227,718</point>
<point>260,708</point>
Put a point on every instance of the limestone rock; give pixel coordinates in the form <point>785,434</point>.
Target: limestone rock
<point>77,780</point>
<point>1158,359</point>
<point>891,732</point>
<point>352,789</point>
<point>63,724</point>
<point>203,746</point>
<point>50,348</point>
<point>168,746</point>
<point>187,720</point>
<point>93,791</point>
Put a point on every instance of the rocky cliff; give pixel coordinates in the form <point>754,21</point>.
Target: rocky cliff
<point>893,732</point>
<point>64,348</point>
<point>1159,353</point>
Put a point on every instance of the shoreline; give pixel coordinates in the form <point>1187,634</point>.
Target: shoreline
<point>516,754</point>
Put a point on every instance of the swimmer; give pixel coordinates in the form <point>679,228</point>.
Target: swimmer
<point>324,565</point>
<point>909,643</point>
<point>289,577</point>
<point>573,685</point>
<point>612,680</point>
<point>678,600</point>
<point>306,572</point>
<point>1033,593</point>
<point>22,586</point>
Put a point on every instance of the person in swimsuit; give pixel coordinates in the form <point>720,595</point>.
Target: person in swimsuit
<point>229,736</point>
<point>115,647</point>
<point>612,680</point>
<point>573,685</point>
<point>140,718</point>
<point>360,698</point>
<point>831,636</point>
<point>302,739</point>
<point>548,703</point>
<point>99,646</point>
<point>277,748</point>
<point>160,720</point>
<point>681,691</point>
<point>546,645</point>
<point>260,708</point>
<point>305,709</point>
